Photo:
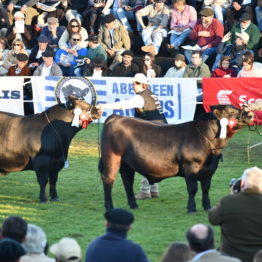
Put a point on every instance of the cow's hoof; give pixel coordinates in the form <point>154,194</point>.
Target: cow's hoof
<point>192,212</point>
<point>134,207</point>
<point>55,199</point>
<point>43,201</point>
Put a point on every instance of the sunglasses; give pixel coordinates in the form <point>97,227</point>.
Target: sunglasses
<point>76,39</point>
<point>137,83</point>
<point>74,25</point>
<point>16,45</point>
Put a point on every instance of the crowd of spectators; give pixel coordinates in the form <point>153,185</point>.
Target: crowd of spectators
<point>238,215</point>
<point>67,37</point>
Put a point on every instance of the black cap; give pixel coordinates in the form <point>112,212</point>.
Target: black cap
<point>48,53</point>
<point>10,250</point>
<point>22,57</point>
<point>109,18</point>
<point>93,38</point>
<point>245,17</point>
<point>98,61</point>
<point>180,57</point>
<point>43,39</point>
<point>128,52</point>
<point>119,216</point>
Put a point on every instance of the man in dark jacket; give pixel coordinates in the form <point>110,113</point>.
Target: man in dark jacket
<point>239,216</point>
<point>126,68</point>
<point>114,245</point>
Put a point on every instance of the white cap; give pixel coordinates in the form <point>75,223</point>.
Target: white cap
<point>244,36</point>
<point>141,78</point>
<point>65,249</point>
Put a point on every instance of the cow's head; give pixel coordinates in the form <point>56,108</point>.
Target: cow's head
<point>83,111</point>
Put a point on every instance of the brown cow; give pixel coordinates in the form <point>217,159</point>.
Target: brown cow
<point>191,150</point>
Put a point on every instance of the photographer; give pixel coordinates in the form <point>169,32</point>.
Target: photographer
<point>239,216</point>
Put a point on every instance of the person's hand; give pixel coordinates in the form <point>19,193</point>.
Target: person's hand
<point>110,52</point>
<point>236,6</point>
<point>87,60</point>
<point>226,37</point>
<point>227,76</point>
<point>74,52</point>
<point>204,33</point>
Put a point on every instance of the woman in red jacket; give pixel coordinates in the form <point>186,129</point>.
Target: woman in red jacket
<point>224,70</point>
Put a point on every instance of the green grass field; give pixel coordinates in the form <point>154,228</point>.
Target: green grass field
<point>79,214</point>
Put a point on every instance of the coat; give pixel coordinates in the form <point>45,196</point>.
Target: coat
<point>200,71</point>
<point>55,70</point>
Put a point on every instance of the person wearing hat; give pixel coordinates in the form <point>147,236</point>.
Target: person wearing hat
<point>207,33</point>
<point>156,30</point>
<point>66,250</point>
<point>147,107</point>
<point>179,67</point>
<point>113,245</point>
<point>97,68</point>
<point>53,32</point>
<point>126,68</point>
<point>48,67</point>
<point>10,250</point>
<point>21,69</point>
<point>35,57</point>
<point>114,37</point>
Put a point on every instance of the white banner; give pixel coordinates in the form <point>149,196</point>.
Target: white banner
<point>11,95</point>
<point>177,95</point>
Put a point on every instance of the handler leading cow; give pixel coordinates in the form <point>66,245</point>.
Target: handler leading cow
<point>40,142</point>
<point>191,150</point>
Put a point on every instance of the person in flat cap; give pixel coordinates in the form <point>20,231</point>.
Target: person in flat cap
<point>97,68</point>
<point>10,250</point>
<point>114,38</point>
<point>113,245</point>
<point>21,69</point>
<point>179,67</point>
<point>127,68</point>
<point>207,33</point>
<point>48,67</point>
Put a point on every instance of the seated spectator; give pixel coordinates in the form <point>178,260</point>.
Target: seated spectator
<point>14,227</point>
<point>149,68</point>
<point>197,68</point>
<point>10,250</point>
<point>53,32</point>
<point>67,59</point>
<point>35,57</point>
<point>113,245</point>
<point>126,68</point>
<point>66,250</point>
<point>4,49</point>
<point>48,67</point>
<point>74,26</point>
<point>97,68</point>
<point>179,67</point>
<point>183,20</point>
<point>4,21</point>
<point>177,252</point>
<point>248,69</point>
<point>114,38</point>
<point>21,69</point>
<point>243,211</point>
<point>207,33</point>
<point>34,245</point>
<point>258,256</point>
<point>224,69</point>
<point>250,55</point>
<point>258,10</point>
<point>156,30</point>
<point>19,30</point>
<point>234,50</point>
<point>201,240</point>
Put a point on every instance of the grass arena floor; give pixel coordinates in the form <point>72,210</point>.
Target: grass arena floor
<point>79,213</point>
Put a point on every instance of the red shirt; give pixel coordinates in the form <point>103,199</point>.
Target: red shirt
<point>220,72</point>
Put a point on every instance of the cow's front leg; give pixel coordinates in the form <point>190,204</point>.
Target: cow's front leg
<point>191,183</point>
<point>52,186</point>
<point>205,185</point>
<point>42,179</point>
<point>127,175</point>
<point>108,194</point>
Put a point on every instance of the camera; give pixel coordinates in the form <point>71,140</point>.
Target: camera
<point>235,185</point>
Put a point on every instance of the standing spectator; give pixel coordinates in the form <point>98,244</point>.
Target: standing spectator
<point>97,68</point>
<point>183,20</point>
<point>156,30</point>
<point>114,38</point>
<point>248,69</point>
<point>53,32</point>
<point>35,244</point>
<point>179,67</point>
<point>149,68</point>
<point>66,250</point>
<point>113,246</point>
<point>21,69</point>
<point>239,217</point>
<point>201,241</point>
<point>10,250</point>
<point>74,26</point>
<point>126,68</point>
<point>48,67</point>
<point>3,54</point>
<point>197,68</point>
<point>177,252</point>
<point>224,70</point>
<point>208,33</point>
<point>14,227</point>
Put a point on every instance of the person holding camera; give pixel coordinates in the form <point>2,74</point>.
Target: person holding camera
<point>239,216</point>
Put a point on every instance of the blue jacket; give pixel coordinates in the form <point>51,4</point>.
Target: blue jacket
<point>53,41</point>
<point>114,247</point>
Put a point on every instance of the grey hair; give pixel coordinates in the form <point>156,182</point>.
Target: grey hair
<point>35,240</point>
<point>252,178</point>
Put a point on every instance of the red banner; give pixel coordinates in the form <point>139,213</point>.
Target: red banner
<point>232,91</point>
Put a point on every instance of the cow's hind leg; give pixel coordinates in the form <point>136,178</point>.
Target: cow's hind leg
<point>52,186</point>
<point>42,179</point>
<point>191,183</point>
<point>205,186</point>
<point>127,175</point>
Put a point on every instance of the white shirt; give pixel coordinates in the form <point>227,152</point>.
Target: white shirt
<point>136,101</point>
<point>46,71</point>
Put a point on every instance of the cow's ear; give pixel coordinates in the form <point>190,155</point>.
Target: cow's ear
<point>217,113</point>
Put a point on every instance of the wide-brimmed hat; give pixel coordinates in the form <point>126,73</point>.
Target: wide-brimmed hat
<point>244,36</point>
<point>207,11</point>
<point>141,78</point>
